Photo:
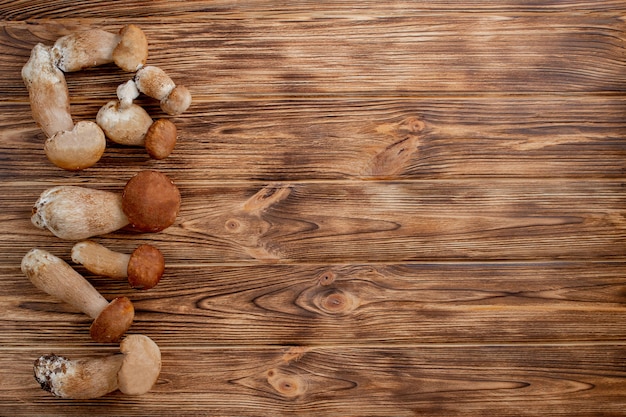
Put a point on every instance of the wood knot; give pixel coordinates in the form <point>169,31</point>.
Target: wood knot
<point>327,278</point>
<point>286,384</point>
<point>232,225</point>
<point>337,302</point>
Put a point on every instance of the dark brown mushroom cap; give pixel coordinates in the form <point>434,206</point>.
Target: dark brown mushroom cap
<point>151,201</point>
<point>113,321</point>
<point>161,139</point>
<point>145,267</point>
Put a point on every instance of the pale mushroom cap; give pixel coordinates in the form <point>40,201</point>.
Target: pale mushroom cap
<point>80,379</point>
<point>77,213</point>
<point>126,126</point>
<point>78,148</point>
<point>177,101</point>
<point>47,90</point>
<point>154,82</point>
<point>113,321</point>
<point>145,267</point>
<point>132,51</point>
<point>161,139</point>
<point>150,201</point>
<point>141,366</point>
<point>85,49</point>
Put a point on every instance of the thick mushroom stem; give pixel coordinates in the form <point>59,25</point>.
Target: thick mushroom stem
<point>76,213</point>
<point>47,89</point>
<point>84,49</point>
<point>133,372</point>
<point>143,268</point>
<point>55,277</point>
<point>79,379</point>
<point>124,124</point>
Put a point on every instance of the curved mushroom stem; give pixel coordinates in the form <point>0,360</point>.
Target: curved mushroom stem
<point>133,372</point>
<point>76,213</point>
<point>55,277</point>
<point>143,268</point>
<point>49,96</point>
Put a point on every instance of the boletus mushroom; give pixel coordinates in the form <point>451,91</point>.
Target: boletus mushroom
<point>155,83</point>
<point>143,268</point>
<point>54,276</point>
<point>150,202</point>
<point>133,372</point>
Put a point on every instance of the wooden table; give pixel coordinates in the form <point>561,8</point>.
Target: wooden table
<point>389,208</point>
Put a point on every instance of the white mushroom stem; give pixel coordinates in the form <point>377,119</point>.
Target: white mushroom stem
<point>101,260</point>
<point>79,379</point>
<point>124,124</point>
<point>126,93</point>
<point>47,89</point>
<point>55,277</point>
<point>84,49</point>
<point>77,213</point>
<point>133,372</point>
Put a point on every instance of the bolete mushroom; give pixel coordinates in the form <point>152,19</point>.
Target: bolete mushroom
<point>143,268</point>
<point>55,277</point>
<point>149,203</point>
<point>133,372</point>
<point>93,47</point>
<point>69,147</point>
<point>155,83</point>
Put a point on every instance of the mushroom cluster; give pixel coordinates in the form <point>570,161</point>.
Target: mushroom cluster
<point>149,202</point>
<point>78,146</point>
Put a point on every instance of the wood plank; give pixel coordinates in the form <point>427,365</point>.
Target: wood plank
<point>366,221</point>
<point>401,381</point>
<point>356,305</point>
<point>439,138</point>
<point>386,56</point>
<point>162,9</point>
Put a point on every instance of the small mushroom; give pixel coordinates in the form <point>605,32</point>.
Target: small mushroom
<point>84,49</point>
<point>155,83</point>
<point>149,203</point>
<point>133,372</point>
<point>54,276</point>
<point>143,268</point>
<point>47,89</point>
<point>131,53</point>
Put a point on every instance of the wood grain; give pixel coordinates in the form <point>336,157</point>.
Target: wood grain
<point>354,305</point>
<point>389,208</point>
<point>382,381</point>
<point>500,137</point>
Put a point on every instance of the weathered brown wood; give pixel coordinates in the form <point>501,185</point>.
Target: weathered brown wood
<point>367,221</point>
<point>374,57</point>
<point>525,137</point>
<point>401,381</point>
<point>358,305</point>
<point>389,208</point>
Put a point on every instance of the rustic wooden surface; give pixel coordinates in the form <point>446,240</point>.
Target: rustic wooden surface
<point>389,208</point>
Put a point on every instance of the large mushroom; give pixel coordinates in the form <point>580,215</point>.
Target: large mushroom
<point>54,276</point>
<point>143,268</point>
<point>133,372</point>
<point>67,146</point>
<point>149,203</point>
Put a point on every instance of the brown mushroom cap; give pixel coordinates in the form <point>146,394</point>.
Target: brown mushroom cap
<point>132,51</point>
<point>161,139</point>
<point>113,321</point>
<point>145,267</point>
<point>151,201</point>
